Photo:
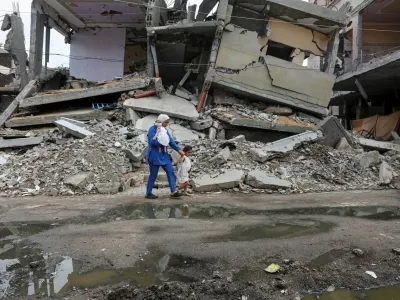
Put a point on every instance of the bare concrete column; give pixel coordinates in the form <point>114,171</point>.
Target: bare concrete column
<point>36,44</point>
<point>333,48</point>
<point>47,48</point>
<point>191,12</point>
<point>357,41</point>
<point>205,8</point>
<point>222,9</point>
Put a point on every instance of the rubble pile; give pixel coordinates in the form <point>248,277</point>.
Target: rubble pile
<point>309,168</point>
<point>63,165</point>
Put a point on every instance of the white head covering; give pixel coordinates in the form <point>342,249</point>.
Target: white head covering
<point>162,118</point>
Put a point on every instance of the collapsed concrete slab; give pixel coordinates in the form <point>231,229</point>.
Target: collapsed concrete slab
<point>333,131</point>
<point>131,116</point>
<point>169,104</point>
<point>201,124</point>
<point>369,159</point>
<point>228,180</point>
<point>182,134</point>
<point>377,145</point>
<point>79,180</point>
<point>222,157</point>
<point>76,94</point>
<point>17,143</point>
<point>49,118</point>
<point>385,173</point>
<point>136,153</point>
<point>282,124</point>
<point>73,129</point>
<point>283,146</point>
<point>343,144</point>
<point>146,122</point>
<point>263,180</point>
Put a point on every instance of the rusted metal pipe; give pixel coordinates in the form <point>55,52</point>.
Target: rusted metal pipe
<point>145,94</point>
<point>202,99</point>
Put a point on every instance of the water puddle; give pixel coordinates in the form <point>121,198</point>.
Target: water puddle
<point>179,211</point>
<point>273,231</point>
<point>368,212</point>
<point>154,268</point>
<point>383,293</point>
<point>23,229</point>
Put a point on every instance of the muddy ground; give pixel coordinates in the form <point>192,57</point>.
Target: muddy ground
<point>213,246</point>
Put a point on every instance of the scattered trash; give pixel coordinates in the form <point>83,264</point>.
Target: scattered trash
<point>396,251</point>
<point>358,252</point>
<point>371,274</point>
<point>272,268</point>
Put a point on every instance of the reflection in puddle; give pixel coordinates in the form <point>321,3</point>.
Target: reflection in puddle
<point>154,268</point>
<point>326,258</point>
<point>277,230</point>
<point>384,293</point>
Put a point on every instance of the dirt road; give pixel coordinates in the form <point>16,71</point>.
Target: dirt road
<point>214,246</point>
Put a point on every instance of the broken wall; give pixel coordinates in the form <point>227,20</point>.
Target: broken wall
<point>276,80</point>
<point>98,55</point>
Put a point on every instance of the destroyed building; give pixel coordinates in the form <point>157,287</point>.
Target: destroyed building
<point>235,82</point>
<point>366,91</point>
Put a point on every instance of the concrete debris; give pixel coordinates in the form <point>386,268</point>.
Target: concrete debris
<point>212,133</point>
<point>201,124</point>
<point>228,180</point>
<point>171,105</point>
<point>137,152</point>
<point>333,131</point>
<point>75,122</point>
<point>13,264</point>
<point>250,116</point>
<point>182,134</point>
<point>369,159</point>
<point>283,146</point>
<point>131,116</point>
<point>18,143</point>
<point>73,129</point>
<point>277,110</point>
<point>378,145</point>
<point>79,180</point>
<point>263,180</point>
<point>221,157</point>
<point>146,122</point>
<point>237,139</point>
<point>358,252</point>
<point>385,174</point>
<point>343,144</point>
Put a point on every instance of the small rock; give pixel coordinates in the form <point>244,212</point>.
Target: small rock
<point>385,173</point>
<point>15,263</point>
<point>331,288</point>
<point>217,275</point>
<point>396,251</point>
<point>358,252</point>
<point>34,264</point>
<point>117,144</point>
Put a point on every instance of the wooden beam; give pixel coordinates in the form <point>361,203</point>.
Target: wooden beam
<point>28,90</point>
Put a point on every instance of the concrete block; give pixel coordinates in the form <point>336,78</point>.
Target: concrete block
<point>79,180</point>
<point>385,173</point>
<point>222,97</point>
<point>376,145</point>
<point>131,116</point>
<point>76,122</point>
<point>221,135</point>
<point>181,134</point>
<point>73,129</point>
<point>201,124</point>
<point>333,131</point>
<point>263,180</point>
<point>222,157</point>
<point>290,143</point>
<point>171,105</point>
<point>17,143</point>
<point>136,153</point>
<point>258,155</point>
<point>228,180</point>
<point>369,159</point>
<point>141,138</point>
<point>212,134</point>
<point>146,122</point>
<point>343,144</point>
<point>108,187</point>
<point>238,139</point>
<point>229,27</point>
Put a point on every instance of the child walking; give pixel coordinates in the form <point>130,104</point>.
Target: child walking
<point>184,166</point>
